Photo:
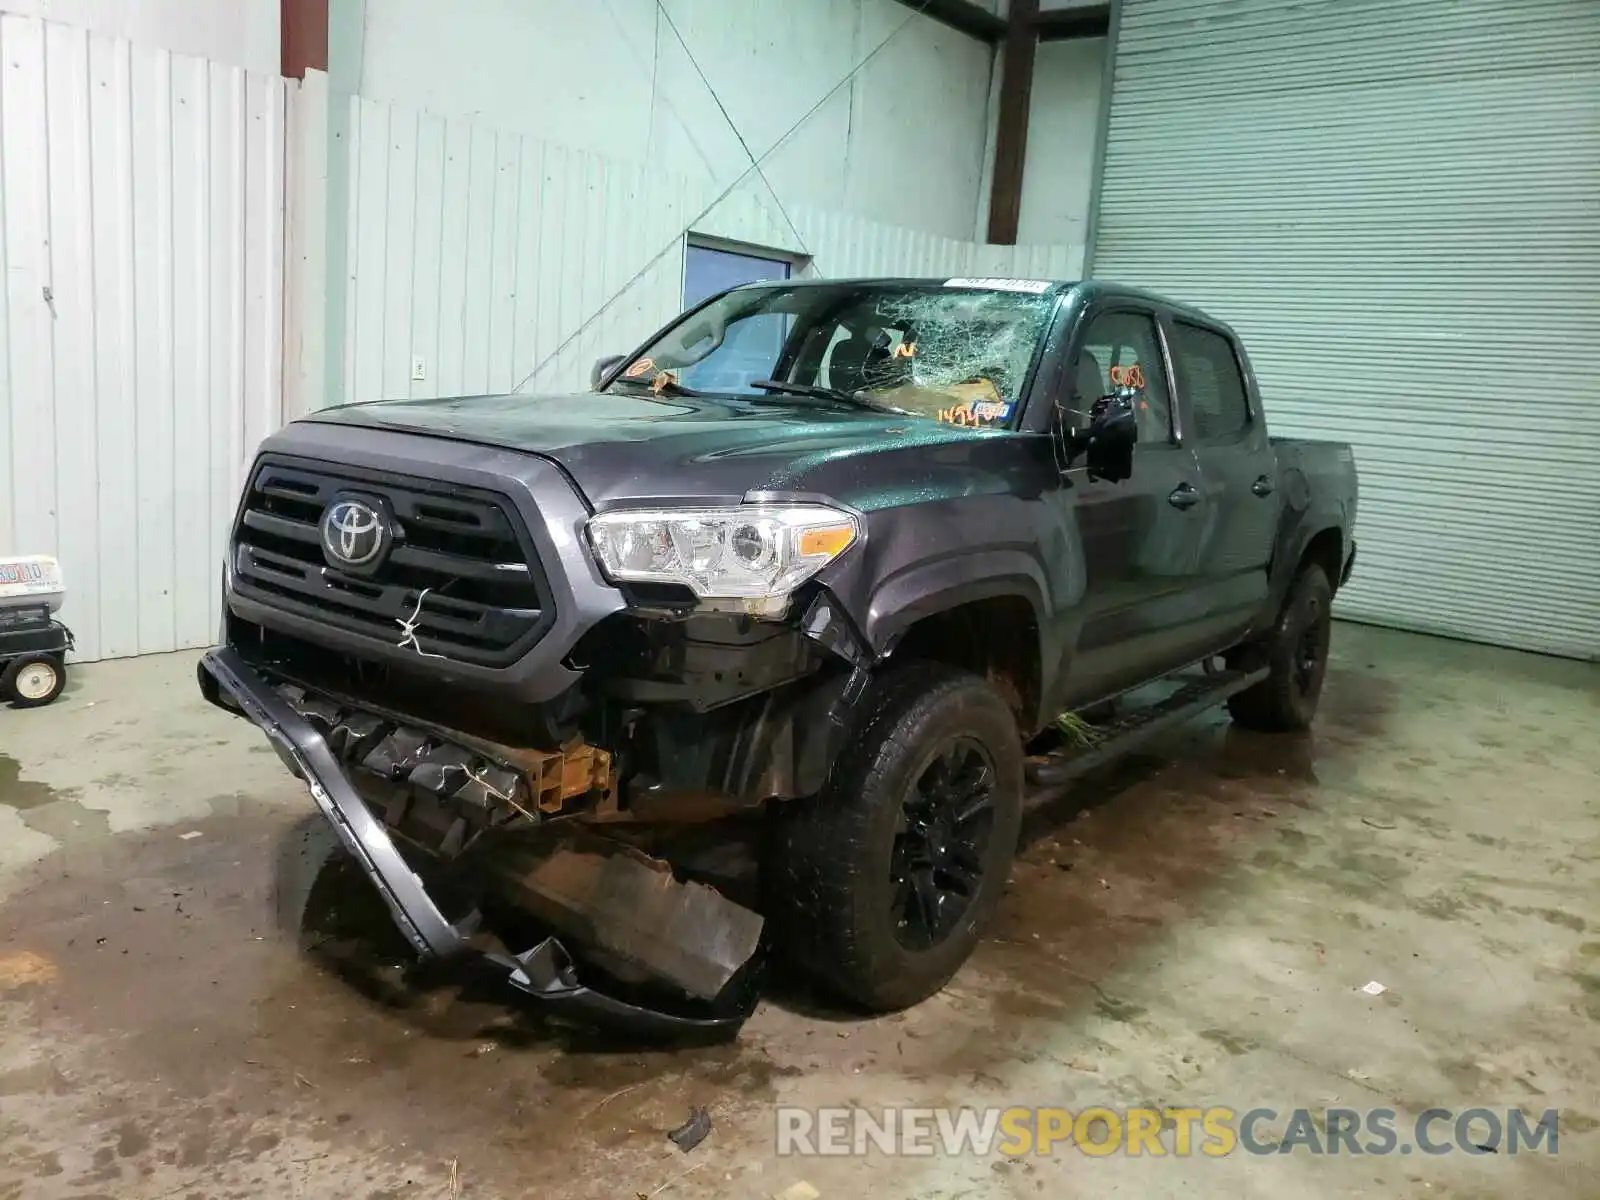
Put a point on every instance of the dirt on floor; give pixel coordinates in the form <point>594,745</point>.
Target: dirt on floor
<point>199,998</point>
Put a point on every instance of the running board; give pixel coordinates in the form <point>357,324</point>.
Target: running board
<point>1127,733</point>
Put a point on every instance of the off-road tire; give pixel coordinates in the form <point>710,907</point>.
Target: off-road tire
<point>831,860</point>
<point>24,670</point>
<point>1296,652</point>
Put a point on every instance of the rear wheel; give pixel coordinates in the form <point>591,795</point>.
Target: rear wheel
<point>882,883</point>
<point>1296,653</point>
<point>33,680</point>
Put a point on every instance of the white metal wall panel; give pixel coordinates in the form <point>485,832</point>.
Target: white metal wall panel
<point>141,226</point>
<point>483,254</point>
<point>1398,206</point>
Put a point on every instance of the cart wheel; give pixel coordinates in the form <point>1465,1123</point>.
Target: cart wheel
<point>33,680</point>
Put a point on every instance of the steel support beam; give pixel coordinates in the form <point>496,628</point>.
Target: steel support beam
<point>1062,24</point>
<point>963,15</point>
<point>1052,24</point>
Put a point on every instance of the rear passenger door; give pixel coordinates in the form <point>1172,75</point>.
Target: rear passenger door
<point>1222,424</point>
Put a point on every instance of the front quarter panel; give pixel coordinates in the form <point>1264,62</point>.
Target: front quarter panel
<point>975,526</point>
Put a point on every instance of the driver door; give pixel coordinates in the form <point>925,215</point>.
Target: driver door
<point>1134,613</point>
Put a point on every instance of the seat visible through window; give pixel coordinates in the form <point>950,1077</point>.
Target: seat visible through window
<point>1208,372</point>
<point>1120,349</point>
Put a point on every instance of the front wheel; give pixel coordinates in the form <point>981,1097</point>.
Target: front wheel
<point>33,680</point>
<point>1296,653</point>
<point>882,883</point>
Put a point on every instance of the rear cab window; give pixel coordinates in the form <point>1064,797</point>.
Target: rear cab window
<point>1211,381</point>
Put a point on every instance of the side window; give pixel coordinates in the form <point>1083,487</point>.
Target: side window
<point>749,348</point>
<point>1120,349</point>
<point>1208,372</point>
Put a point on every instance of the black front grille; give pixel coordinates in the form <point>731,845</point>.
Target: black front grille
<point>462,572</point>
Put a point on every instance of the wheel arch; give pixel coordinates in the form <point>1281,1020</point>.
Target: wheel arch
<point>1318,539</point>
<point>1325,549</point>
<point>994,632</point>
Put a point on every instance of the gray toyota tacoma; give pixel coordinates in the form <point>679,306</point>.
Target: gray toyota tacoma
<point>762,642</point>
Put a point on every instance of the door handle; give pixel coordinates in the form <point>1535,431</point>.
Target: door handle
<point>1185,495</point>
<point>1262,486</point>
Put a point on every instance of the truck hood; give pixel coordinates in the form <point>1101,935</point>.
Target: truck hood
<point>621,447</point>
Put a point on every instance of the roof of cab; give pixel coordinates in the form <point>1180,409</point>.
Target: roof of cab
<point>1052,285</point>
<point>1085,290</point>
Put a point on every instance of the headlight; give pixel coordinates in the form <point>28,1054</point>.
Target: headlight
<point>748,552</point>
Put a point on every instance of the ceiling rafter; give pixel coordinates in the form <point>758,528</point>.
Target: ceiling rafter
<point>1051,24</point>
<point>1061,24</point>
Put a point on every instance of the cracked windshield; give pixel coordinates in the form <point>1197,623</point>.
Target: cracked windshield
<point>948,353</point>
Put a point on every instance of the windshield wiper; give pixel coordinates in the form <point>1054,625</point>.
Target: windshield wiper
<point>671,387</point>
<point>817,392</point>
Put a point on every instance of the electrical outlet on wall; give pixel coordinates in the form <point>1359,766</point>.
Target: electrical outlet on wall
<point>419,369</point>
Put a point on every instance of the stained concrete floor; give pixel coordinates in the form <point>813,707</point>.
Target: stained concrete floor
<point>196,1001</point>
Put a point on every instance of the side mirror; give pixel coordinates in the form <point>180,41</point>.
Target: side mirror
<point>604,367</point>
<point>1113,431</point>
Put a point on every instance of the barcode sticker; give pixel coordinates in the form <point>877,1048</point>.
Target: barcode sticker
<point>1035,286</point>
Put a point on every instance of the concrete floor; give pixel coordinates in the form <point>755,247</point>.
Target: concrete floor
<point>195,1003</point>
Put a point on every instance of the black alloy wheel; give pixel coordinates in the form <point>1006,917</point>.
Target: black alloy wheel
<point>1295,652</point>
<point>940,844</point>
<point>881,884</point>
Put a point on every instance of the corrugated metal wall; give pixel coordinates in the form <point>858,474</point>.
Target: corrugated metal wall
<point>141,233</point>
<point>1399,208</point>
<point>483,253</point>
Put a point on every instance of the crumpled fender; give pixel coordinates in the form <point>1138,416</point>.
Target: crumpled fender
<point>546,973</point>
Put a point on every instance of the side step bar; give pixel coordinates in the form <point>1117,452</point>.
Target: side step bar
<point>1139,726</point>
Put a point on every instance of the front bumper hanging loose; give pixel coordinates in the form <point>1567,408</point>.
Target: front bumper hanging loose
<point>546,972</point>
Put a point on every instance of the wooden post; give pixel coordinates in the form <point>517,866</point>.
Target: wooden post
<point>1011,126</point>
<point>304,33</point>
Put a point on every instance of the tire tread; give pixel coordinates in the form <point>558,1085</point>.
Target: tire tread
<point>1272,706</point>
<point>815,891</point>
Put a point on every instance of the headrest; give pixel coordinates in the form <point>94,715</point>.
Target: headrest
<point>1090,382</point>
<point>847,365</point>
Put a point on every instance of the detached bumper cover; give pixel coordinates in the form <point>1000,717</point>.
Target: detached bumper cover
<point>546,972</point>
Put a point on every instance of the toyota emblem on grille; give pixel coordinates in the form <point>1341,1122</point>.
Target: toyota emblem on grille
<point>354,533</point>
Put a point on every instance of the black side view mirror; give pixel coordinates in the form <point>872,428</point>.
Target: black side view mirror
<point>1107,445</point>
<point>602,368</point>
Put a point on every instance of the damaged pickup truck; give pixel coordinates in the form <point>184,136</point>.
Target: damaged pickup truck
<point>814,571</point>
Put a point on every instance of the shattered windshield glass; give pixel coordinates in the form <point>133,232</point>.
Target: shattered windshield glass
<point>960,354</point>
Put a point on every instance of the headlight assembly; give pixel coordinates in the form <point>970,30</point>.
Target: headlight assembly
<point>749,552</point>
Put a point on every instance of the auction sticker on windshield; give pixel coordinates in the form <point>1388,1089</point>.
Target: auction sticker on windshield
<point>1035,286</point>
<point>980,413</point>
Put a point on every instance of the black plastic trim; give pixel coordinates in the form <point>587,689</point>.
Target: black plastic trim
<point>547,504</point>
<point>313,591</point>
